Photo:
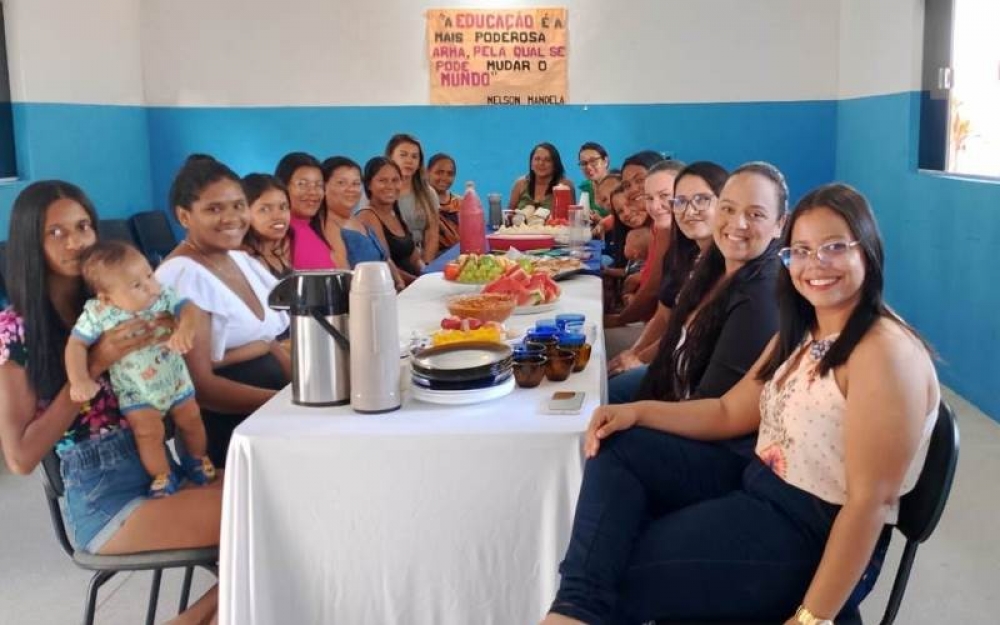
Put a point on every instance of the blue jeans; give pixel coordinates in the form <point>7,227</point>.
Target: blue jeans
<point>670,528</point>
<point>104,482</point>
<point>623,388</point>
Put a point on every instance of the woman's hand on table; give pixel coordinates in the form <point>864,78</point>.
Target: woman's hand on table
<point>125,338</point>
<point>605,421</point>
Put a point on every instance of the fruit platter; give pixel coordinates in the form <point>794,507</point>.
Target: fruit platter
<point>533,292</point>
<point>485,268</point>
<point>481,268</point>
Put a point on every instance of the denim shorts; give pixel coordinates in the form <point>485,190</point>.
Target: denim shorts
<point>104,482</point>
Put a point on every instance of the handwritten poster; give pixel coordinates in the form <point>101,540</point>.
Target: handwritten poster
<point>497,56</point>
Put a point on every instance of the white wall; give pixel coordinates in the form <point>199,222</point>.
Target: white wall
<point>881,43</point>
<point>74,51</point>
<point>373,52</point>
<point>351,52</point>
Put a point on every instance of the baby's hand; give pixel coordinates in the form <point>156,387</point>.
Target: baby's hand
<point>83,391</point>
<point>182,339</point>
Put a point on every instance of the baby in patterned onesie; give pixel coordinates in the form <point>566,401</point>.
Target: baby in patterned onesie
<point>148,382</point>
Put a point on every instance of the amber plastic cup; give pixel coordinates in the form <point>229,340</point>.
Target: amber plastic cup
<point>560,365</point>
<point>529,369</point>
<point>549,343</point>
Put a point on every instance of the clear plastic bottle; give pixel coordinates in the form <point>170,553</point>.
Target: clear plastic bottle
<point>471,222</point>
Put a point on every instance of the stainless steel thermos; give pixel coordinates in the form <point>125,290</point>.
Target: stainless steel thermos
<point>318,302</point>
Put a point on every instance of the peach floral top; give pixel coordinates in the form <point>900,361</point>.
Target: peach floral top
<point>802,428</point>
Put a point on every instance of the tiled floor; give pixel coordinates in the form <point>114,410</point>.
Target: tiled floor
<point>954,578</point>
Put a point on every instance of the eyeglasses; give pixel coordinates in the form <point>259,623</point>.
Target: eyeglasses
<point>590,162</point>
<point>698,202</point>
<point>828,252</point>
<point>305,185</point>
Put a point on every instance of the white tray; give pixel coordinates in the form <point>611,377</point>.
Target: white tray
<point>459,398</point>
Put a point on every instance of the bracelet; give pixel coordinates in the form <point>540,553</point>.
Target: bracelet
<point>805,617</point>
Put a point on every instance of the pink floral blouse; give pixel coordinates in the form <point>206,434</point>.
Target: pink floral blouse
<point>98,416</point>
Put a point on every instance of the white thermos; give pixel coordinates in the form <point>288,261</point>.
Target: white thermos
<point>374,333</point>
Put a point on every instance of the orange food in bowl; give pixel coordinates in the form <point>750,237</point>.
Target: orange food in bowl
<point>483,306</point>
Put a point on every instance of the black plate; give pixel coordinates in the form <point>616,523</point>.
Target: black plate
<point>438,385</point>
<point>461,362</point>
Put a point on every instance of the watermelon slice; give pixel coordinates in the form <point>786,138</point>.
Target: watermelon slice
<point>544,283</point>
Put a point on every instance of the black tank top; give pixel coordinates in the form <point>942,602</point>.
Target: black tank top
<point>400,247</point>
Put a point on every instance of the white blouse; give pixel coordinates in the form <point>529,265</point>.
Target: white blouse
<point>233,323</point>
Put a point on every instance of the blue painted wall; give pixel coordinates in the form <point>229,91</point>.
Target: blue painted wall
<point>941,234</point>
<point>103,148</point>
<point>492,144</point>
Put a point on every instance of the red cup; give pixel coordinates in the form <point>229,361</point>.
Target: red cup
<point>562,197</point>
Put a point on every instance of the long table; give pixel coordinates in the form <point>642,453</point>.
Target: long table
<point>431,514</point>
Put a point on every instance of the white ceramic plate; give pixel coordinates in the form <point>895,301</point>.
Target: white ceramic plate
<point>459,398</point>
<point>540,308</point>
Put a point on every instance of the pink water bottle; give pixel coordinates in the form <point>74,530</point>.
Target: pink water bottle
<point>471,223</point>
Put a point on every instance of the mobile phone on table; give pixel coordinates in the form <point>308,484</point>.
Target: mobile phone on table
<point>565,402</point>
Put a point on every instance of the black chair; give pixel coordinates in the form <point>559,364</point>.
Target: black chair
<point>106,566</point>
<point>116,230</point>
<point>154,234</point>
<point>919,511</point>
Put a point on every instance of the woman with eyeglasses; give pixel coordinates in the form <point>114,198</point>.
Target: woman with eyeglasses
<point>844,400</point>
<point>545,171</point>
<point>302,176</point>
<point>725,313</point>
<point>417,200</point>
<point>593,162</point>
<point>693,209</point>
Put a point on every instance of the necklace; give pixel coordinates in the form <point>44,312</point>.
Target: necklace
<point>212,264</point>
<point>818,349</point>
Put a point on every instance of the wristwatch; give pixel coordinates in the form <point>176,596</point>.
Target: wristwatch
<point>805,617</point>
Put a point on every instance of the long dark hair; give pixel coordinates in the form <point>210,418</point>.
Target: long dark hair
<point>372,167</point>
<point>254,186</point>
<point>619,232</point>
<point>558,170</point>
<point>797,316</point>
<point>418,183</point>
<point>682,253</point>
<point>677,369</point>
<point>45,334</point>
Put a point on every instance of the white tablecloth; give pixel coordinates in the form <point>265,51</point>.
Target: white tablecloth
<point>428,515</point>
